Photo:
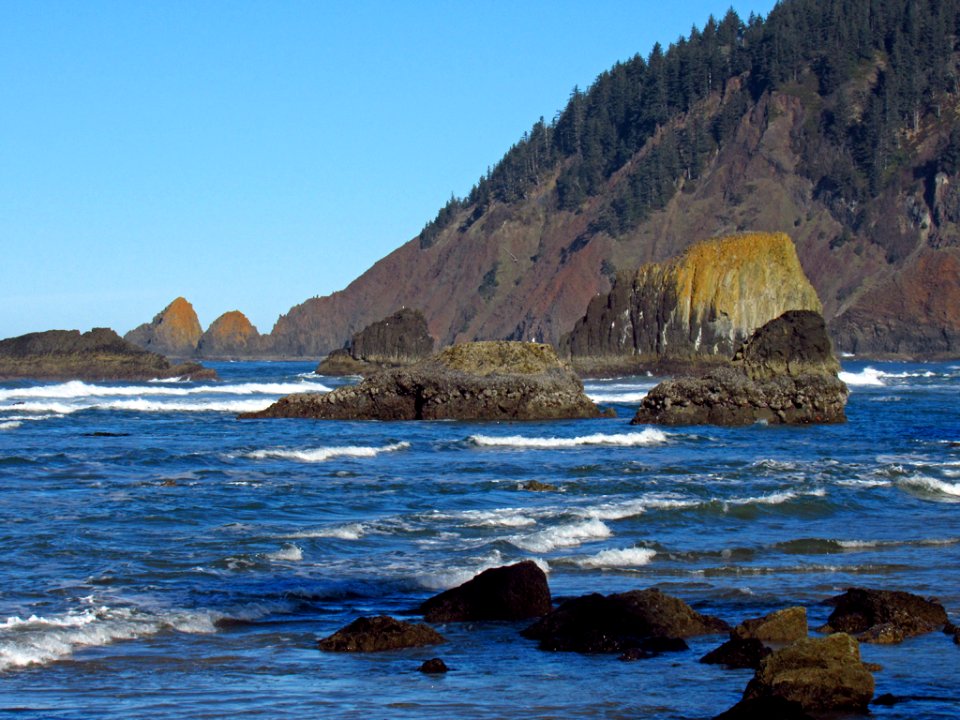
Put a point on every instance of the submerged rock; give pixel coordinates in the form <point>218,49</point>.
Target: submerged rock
<point>884,616</point>
<point>434,666</point>
<point>472,381</point>
<point>785,373</point>
<point>738,652</point>
<point>820,674</point>
<point>99,354</point>
<point>514,592</point>
<point>401,339</point>
<point>373,634</point>
<point>616,623</point>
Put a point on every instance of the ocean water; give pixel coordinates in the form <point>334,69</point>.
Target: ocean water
<point>162,559</point>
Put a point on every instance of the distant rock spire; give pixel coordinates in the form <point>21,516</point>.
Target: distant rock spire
<point>175,331</point>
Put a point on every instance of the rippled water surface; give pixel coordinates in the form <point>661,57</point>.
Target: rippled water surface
<point>163,559</point>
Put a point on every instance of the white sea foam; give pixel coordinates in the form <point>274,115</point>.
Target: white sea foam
<point>143,405</point>
<point>10,425</point>
<point>76,389</point>
<point>315,455</point>
<point>350,531</point>
<point>622,397</point>
<point>504,517</point>
<point>777,498</point>
<point>287,553</point>
<point>41,640</point>
<point>930,485</point>
<point>867,376</point>
<point>627,557</point>
<point>562,536</point>
<point>649,436</point>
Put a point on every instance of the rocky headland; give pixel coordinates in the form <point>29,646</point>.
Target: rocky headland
<point>695,308</point>
<point>471,381</point>
<point>401,339</point>
<point>99,354</point>
<point>785,373</point>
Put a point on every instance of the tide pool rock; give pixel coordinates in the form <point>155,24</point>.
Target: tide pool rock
<point>884,616</point>
<point>382,632</point>
<point>99,354</point>
<point>785,373</point>
<point>174,331</point>
<point>513,592</point>
<point>616,623</point>
<point>472,381</point>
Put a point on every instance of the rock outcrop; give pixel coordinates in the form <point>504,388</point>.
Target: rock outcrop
<point>781,626</point>
<point>702,304</point>
<point>230,336</point>
<point>884,616</point>
<point>472,381</point>
<point>175,331</point>
<point>821,675</point>
<point>514,592</point>
<point>738,653</point>
<point>401,339</point>
<point>374,634</point>
<point>99,354</point>
<point>785,373</point>
<point>616,623</point>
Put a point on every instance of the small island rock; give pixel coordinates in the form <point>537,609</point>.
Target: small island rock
<point>471,381</point>
<point>400,339</point>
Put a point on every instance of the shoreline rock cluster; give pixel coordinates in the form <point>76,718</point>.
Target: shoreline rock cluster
<point>795,675</point>
<point>99,354</point>
<point>472,381</point>
<point>785,373</point>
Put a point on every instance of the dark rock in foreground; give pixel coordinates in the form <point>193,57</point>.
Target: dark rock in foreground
<point>615,623</point>
<point>434,666</point>
<point>373,634</point>
<point>738,653</point>
<point>785,373</point>
<point>514,592</point>
<point>765,708</point>
<point>822,675</point>
<point>472,381</point>
<point>100,354</point>
<point>398,340</point>
<point>884,616</point>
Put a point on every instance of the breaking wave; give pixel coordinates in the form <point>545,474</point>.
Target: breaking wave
<point>650,436</point>
<point>323,454</point>
<point>562,536</point>
<point>627,557</point>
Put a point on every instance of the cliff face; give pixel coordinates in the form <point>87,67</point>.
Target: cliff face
<point>704,303</point>
<point>401,338</point>
<point>175,331</point>
<point>231,335</point>
<point>526,270</point>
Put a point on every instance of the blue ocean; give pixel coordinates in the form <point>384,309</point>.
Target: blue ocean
<point>161,559</point>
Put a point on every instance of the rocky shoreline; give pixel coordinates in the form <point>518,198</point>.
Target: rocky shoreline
<point>796,675</point>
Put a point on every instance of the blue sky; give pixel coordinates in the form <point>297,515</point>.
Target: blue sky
<point>250,155</point>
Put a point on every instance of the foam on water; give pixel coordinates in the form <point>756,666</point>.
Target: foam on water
<point>630,397</point>
<point>10,425</point>
<point>143,405</point>
<point>76,389</point>
<point>649,436</point>
<point>562,536</point>
<point>350,531</point>
<point>288,553</point>
<point>866,377</point>
<point>627,557</point>
<point>930,486</point>
<point>316,455</point>
<point>776,498</point>
<point>41,640</point>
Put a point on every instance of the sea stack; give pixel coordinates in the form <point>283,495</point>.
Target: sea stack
<point>697,307</point>
<point>175,331</point>
<point>403,338</point>
<point>786,373</point>
<point>470,381</point>
<point>230,336</point>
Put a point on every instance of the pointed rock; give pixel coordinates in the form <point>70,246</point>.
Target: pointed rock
<point>175,331</point>
<point>230,336</point>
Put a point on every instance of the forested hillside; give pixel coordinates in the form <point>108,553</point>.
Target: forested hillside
<point>835,121</point>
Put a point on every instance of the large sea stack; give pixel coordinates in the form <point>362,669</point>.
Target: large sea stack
<point>99,354</point>
<point>230,336</point>
<point>471,381</point>
<point>785,373</point>
<point>403,338</point>
<point>698,306</point>
<point>175,331</point>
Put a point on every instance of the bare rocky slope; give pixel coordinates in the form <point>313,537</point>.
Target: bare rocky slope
<point>888,274</point>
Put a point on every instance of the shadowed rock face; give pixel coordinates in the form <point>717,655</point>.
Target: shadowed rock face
<point>96,355</point>
<point>231,335</point>
<point>785,373</point>
<point>884,616</point>
<point>514,592</point>
<point>701,304</point>
<point>401,339</point>
<point>472,381</point>
<point>175,331</point>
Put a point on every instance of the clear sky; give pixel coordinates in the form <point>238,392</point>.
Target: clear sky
<point>250,155</point>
